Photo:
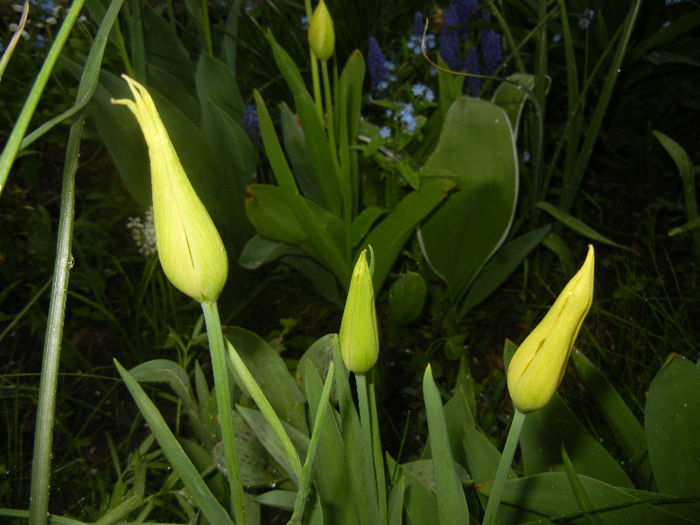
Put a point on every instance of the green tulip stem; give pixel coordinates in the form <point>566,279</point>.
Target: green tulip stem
<point>516,428</point>
<point>366,428</point>
<point>225,408</point>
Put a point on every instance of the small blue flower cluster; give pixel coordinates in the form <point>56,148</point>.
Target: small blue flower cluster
<point>423,92</point>
<point>671,2</point>
<point>586,19</point>
<point>41,14</point>
<point>407,119</point>
<point>455,32</point>
<point>249,119</point>
<point>380,69</point>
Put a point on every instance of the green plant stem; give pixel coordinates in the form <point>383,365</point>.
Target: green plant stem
<point>225,408</point>
<point>43,439</point>
<point>377,451</point>
<point>206,28</point>
<point>516,428</point>
<point>366,431</point>
<point>12,146</point>
<point>329,115</point>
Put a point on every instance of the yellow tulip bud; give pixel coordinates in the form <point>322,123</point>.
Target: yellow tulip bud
<point>189,246</point>
<point>539,363</point>
<point>321,33</point>
<point>359,340</point>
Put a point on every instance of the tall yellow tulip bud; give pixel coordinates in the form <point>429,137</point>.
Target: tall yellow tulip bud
<point>189,246</point>
<point>321,33</point>
<point>359,340</point>
<point>539,363</point>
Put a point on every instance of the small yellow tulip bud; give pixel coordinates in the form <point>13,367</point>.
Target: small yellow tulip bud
<point>359,341</point>
<point>189,246</point>
<point>321,33</point>
<point>538,365</point>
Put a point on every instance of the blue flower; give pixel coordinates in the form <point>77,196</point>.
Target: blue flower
<point>251,125</point>
<point>385,132</point>
<point>556,38</point>
<point>408,121</point>
<point>377,66</point>
<point>471,65</point>
<point>419,23</point>
<point>449,39</point>
<point>492,50</point>
<point>465,9</point>
<point>422,91</point>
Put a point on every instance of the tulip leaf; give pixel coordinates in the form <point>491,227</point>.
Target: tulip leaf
<point>166,371</point>
<point>332,472</point>
<point>271,374</point>
<point>406,298</point>
<point>389,236</point>
<point>259,251</point>
<point>364,221</point>
<point>549,494</point>
<point>362,479</point>
<point>577,225</point>
<point>182,465</point>
<point>314,132</point>
<point>672,419</point>
<point>476,149</point>
<point>544,432</point>
<point>629,432</point>
<point>501,266</point>
<point>216,85</point>
<point>451,502</point>
<point>511,96</point>
<point>281,499</point>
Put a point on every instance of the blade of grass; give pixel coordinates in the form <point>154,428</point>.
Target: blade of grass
<point>22,123</point>
<point>15,38</point>
<point>572,180</point>
<point>43,439</point>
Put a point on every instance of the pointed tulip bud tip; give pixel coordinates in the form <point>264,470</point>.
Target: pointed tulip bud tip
<point>321,32</point>
<point>538,365</point>
<point>190,249</point>
<point>359,339</point>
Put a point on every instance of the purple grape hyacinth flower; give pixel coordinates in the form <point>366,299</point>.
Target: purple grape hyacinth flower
<point>377,66</point>
<point>492,50</point>
<point>449,39</point>
<point>471,65</point>
<point>249,119</point>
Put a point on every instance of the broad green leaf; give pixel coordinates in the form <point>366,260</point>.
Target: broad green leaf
<point>627,429</point>
<point>278,214</point>
<point>549,494</point>
<point>396,501</point>
<point>406,298</point>
<point>314,132</point>
<point>364,221</point>
<point>388,237</point>
<point>577,225</point>
<point>272,376</point>
<point>216,84</point>
<point>477,150</point>
<point>511,96</point>
<point>199,492</point>
<point>166,371</point>
<point>259,251</point>
<point>449,88</point>
<point>270,439</point>
<point>546,429</point>
<point>452,504</point>
<point>257,467</point>
<point>298,155</point>
<point>672,417</point>
<point>500,267</point>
